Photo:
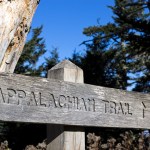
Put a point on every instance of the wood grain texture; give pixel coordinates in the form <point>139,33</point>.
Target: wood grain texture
<point>27,99</point>
<point>16,17</point>
<point>60,136</point>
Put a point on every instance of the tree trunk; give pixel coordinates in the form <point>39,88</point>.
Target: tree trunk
<point>15,21</point>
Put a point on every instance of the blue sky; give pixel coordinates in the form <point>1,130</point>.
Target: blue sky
<point>64,21</point>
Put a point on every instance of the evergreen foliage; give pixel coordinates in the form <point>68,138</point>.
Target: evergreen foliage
<point>128,39</point>
<point>50,61</point>
<point>33,50</point>
<point>97,64</point>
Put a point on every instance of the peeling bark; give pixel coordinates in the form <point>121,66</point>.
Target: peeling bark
<point>15,21</point>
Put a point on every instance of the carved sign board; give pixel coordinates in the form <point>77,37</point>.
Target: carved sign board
<point>39,100</point>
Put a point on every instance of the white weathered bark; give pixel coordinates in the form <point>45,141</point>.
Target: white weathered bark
<point>15,21</point>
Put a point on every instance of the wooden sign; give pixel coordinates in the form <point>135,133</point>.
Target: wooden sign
<point>40,100</point>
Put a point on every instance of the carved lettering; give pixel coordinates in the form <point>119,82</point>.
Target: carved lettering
<point>120,109</point>
<point>62,101</point>
<point>91,105</point>
<point>76,103</point>
<point>112,107</point>
<point>21,95</point>
<point>106,106</point>
<point>128,108</point>
<point>71,102</point>
<point>12,97</point>
<point>84,104</point>
<point>53,102</point>
<point>144,109</point>
<point>2,98</point>
<point>33,101</point>
<point>81,105</point>
<point>41,100</point>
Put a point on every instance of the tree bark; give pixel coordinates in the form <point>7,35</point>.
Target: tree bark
<point>15,21</point>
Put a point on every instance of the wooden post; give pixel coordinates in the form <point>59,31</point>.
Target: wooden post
<point>62,137</point>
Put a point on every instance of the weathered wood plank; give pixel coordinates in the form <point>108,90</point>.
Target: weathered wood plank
<point>27,99</point>
<point>60,136</point>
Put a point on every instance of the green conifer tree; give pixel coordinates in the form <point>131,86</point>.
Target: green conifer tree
<point>33,50</point>
<point>129,36</point>
<point>50,61</point>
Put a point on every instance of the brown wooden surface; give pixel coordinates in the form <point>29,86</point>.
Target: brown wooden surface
<point>27,99</point>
